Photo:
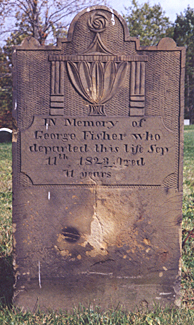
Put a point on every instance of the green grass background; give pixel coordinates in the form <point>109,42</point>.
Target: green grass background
<point>184,315</point>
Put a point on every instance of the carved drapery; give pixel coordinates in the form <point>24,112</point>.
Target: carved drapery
<point>98,74</point>
<point>97,79</point>
<point>97,82</point>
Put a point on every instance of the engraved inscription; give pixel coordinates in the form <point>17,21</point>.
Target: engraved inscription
<point>109,150</point>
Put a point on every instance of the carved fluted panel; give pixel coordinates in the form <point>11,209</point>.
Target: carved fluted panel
<point>57,87</point>
<point>137,88</point>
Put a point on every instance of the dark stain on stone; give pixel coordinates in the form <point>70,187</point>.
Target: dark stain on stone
<point>71,234</point>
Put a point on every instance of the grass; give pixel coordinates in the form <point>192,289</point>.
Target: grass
<point>6,272</point>
<point>183,316</point>
<point>188,219</point>
<point>90,317</point>
<point>5,199</point>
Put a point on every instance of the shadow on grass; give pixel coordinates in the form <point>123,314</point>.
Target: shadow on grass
<point>6,281</point>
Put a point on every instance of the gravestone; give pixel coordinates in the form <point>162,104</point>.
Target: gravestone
<point>97,168</point>
<point>5,135</point>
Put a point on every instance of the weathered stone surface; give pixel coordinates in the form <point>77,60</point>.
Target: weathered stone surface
<point>97,161</point>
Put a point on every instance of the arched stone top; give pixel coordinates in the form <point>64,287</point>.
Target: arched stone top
<point>114,13</point>
<point>29,42</point>
<point>165,44</point>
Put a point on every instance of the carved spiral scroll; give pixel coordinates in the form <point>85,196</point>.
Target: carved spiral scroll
<point>97,22</point>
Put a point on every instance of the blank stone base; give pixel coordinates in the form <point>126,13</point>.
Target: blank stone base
<point>91,291</point>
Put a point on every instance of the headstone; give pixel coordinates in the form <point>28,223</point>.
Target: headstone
<point>5,135</point>
<point>186,122</point>
<point>97,168</point>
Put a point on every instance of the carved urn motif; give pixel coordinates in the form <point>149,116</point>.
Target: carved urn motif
<point>97,81</point>
<point>97,74</point>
